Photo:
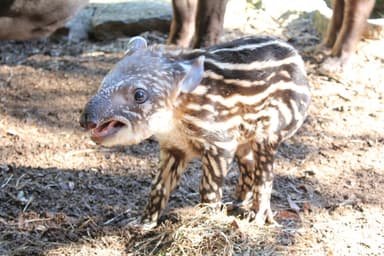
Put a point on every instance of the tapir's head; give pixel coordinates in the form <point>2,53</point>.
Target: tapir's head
<point>136,98</point>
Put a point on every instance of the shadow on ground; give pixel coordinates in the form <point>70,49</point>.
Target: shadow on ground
<point>44,209</point>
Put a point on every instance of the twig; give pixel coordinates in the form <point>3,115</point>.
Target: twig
<point>6,182</point>
<point>29,221</point>
<point>293,205</point>
<point>157,244</point>
<point>116,217</point>
<point>36,220</point>
<point>18,182</point>
<point>28,203</point>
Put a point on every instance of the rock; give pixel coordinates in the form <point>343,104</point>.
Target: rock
<point>277,8</point>
<point>113,19</point>
<point>322,14</point>
<point>321,20</point>
<point>80,26</point>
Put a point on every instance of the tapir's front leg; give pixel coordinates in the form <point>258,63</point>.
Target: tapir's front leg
<point>172,164</point>
<point>215,167</point>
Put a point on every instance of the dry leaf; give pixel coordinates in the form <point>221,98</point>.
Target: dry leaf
<point>293,205</point>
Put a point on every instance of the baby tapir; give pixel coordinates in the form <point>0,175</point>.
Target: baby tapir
<point>240,100</point>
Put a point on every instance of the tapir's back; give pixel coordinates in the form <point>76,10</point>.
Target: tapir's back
<point>250,84</point>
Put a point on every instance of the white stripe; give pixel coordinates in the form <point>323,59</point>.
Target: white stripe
<point>200,90</point>
<point>237,82</point>
<point>211,196</point>
<point>251,100</point>
<point>295,110</point>
<point>227,145</point>
<point>252,46</point>
<point>194,106</point>
<point>214,126</point>
<point>228,124</point>
<point>249,156</point>
<point>215,166</point>
<point>285,73</point>
<point>257,115</point>
<point>274,121</point>
<point>256,65</point>
<point>284,110</point>
<point>167,170</point>
<point>197,107</point>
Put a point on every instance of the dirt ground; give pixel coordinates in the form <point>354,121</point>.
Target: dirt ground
<point>60,194</point>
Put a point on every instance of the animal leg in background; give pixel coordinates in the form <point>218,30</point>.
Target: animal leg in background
<point>197,21</point>
<point>209,22</point>
<point>183,22</point>
<point>346,28</point>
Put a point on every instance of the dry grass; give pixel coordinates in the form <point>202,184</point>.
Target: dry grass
<point>198,231</point>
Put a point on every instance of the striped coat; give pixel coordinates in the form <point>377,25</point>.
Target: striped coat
<point>240,100</point>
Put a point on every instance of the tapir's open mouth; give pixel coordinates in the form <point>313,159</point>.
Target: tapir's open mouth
<point>106,129</point>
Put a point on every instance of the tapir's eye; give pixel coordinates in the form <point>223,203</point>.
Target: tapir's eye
<point>141,96</point>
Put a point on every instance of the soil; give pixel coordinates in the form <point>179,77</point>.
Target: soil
<point>60,194</point>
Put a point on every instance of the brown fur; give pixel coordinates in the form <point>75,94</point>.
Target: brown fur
<point>29,19</point>
<point>196,22</point>
<point>346,27</point>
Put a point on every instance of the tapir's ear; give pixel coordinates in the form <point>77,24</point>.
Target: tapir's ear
<point>193,74</point>
<point>135,44</point>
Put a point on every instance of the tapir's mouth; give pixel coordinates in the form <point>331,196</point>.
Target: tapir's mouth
<point>106,129</point>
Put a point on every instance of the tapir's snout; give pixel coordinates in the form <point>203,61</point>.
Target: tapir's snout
<point>94,112</point>
<point>88,121</point>
<point>106,126</point>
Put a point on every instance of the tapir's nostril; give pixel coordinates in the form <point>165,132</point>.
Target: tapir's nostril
<point>87,122</point>
<point>90,125</point>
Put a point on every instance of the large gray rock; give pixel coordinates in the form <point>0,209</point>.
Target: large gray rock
<point>79,27</point>
<point>277,8</point>
<point>113,19</point>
